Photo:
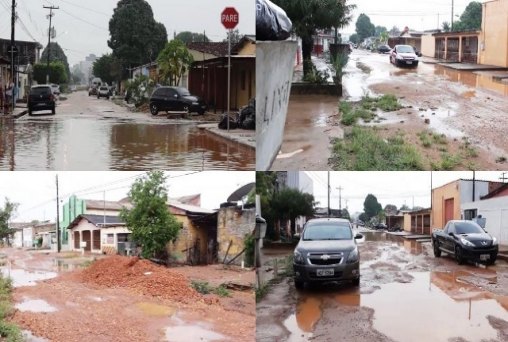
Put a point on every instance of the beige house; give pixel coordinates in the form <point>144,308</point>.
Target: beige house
<point>494,33</point>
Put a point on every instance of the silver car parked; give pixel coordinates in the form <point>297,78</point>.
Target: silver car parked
<point>327,251</point>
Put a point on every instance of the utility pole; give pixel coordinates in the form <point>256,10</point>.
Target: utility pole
<point>340,197</point>
<point>51,8</point>
<point>451,24</point>
<point>13,25</point>
<point>503,176</point>
<point>58,243</point>
<point>329,213</point>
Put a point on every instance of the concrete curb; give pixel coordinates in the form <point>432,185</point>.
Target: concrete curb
<point>212,128</point>
<point>20,114</point>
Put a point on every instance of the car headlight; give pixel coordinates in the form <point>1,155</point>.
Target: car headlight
<point>494,241</point>
<point>353,256</point>
<point>466,242</point>
<point>298,258</point>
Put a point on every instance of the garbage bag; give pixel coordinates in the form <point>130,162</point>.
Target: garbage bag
<point>248,115</point>
<point>272,23</point>
<point>223,124</point>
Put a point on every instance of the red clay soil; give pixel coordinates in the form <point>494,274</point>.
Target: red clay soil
<point>142,276</point>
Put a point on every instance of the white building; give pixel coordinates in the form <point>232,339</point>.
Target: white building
<point>494,209</point>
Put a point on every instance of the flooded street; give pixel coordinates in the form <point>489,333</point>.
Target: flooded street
<point>91,134</point>
<point>403,291</point>
<point>53,303</point>
<point>310,122</point>
<point>460,105</point>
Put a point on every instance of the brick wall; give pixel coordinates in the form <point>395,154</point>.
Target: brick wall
<point>233,224</point>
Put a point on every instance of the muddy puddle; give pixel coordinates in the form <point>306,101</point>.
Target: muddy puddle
<point>28,336</point>
<point>91,144</point>
<point>184,332</point>
<point>156,310</point>
<point>478,80</point>
<point>35,305</point>
<point>22,277</point>
<point>424,304</point>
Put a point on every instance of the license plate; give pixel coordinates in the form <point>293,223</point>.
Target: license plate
<point>324,273</point>
<point>484,257</point>
<point>409,62</point>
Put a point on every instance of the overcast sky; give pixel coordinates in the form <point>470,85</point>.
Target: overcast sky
<point>82,27</point>
<point>416,14</point>
<point>36,194</point>
<point>396,188</point>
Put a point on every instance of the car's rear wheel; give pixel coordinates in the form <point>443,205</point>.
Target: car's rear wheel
<point>437,251</point>
<point>154,109</point>
<point>459,257</point>
<point>299,284</point>
<point>53,110</point>
<point>29,111</point>
<point>201,112</point>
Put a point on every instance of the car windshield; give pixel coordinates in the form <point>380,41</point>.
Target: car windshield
<point>468,228</point>
<point>40,91</point>
<point>183,92</point>
<point>328,231</point>
<point>405,49</point>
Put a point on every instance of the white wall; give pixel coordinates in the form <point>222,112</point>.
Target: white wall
<point>466,190</point>
<point>28,237</point>
<point>495,211</point>
<point>16,239</point>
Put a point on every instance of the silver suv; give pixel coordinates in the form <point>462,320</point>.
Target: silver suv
<point>327,251</point>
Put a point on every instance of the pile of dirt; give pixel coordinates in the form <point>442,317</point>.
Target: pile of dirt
<point>142,276</point>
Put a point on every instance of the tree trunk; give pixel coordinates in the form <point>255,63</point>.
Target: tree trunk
<point>293,226</point>
<point>277,230</point>
<point>307,45</point>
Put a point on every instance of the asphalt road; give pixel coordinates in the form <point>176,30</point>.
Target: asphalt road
<point>96,134</point>
<point>405,294</point>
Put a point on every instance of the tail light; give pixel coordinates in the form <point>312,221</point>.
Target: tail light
<point>52,97</point>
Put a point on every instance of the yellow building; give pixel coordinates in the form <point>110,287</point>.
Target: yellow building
<point>447,199</point>
<point>494,33</point>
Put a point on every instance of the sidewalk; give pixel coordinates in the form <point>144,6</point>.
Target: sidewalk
<point>19,111</point>
<point>241,136</point>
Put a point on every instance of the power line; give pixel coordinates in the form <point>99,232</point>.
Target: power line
<point>86,8</point>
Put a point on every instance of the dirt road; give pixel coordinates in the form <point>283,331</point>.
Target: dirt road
<point>55,304</point>
<point>405,295</point>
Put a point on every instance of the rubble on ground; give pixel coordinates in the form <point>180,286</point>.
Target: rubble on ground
<point>142,276</point>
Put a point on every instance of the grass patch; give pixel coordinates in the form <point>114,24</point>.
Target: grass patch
<point>425,139</point>
<point>204,287</point>
<point>448,162</point>
<point>286,271</point>
<point>363,149</point>
<point>469,150</point>
<point>8,331</point>
<point>428,139</point>
<point>388,103</point>
<point>366,108</point>
<point>439,139</point>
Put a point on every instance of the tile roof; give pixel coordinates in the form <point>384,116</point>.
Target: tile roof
<point>219,49</point>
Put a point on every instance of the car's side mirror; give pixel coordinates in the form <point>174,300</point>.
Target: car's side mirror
<point>451,234</point>
<point>358,236</point>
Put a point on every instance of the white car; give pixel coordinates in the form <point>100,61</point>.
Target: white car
<point>55,88</point>
<point>103,91</point>
<point>403,55</point>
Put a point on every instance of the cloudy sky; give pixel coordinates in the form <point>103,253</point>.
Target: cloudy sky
<point>417,15</point>
<point>36,194</point>
<point>82,26</point>
<point>389,187</point>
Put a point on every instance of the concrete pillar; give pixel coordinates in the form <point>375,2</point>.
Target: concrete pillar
<point>446,48</point>
<point>91,240</point>
<point>460,49</point>
<point>80,238</point>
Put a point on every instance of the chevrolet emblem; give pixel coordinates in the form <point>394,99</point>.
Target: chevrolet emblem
<point>325,257</point>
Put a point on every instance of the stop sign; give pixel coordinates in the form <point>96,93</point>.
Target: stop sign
<point>229,18</point>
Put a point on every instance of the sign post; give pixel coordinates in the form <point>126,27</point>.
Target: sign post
<point>229,18</point>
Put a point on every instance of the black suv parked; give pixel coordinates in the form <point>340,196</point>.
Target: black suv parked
<point>175,99</point>
<point>41,98</point>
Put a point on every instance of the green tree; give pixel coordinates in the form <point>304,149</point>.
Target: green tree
<point>56,55</point>
<point>308,16</point>
<point>57,73</point>
<point>364,28</point>
<point>405,207</point>
<point>383,37</point>
<point>174,60</point>
<point>355,38</point>
<point>288,204</point>
<point>189,37</point>
<point>135,37</point>
<point>379,30</point>
<point>5,216</point>
<point>265,188</point>
<point>235,37</point>
<point>150,221</point>
<point>471,18</point>
<point>390,208</point>
<point>446,26</point>
<point>345,214</point>
<point>108,68</point>
<point>371,206</point>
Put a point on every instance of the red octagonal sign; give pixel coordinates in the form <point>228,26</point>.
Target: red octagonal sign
<point>229,18</point>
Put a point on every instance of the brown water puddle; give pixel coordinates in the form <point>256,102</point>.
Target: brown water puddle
<point>468,78</point>
<point>90,144</point>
